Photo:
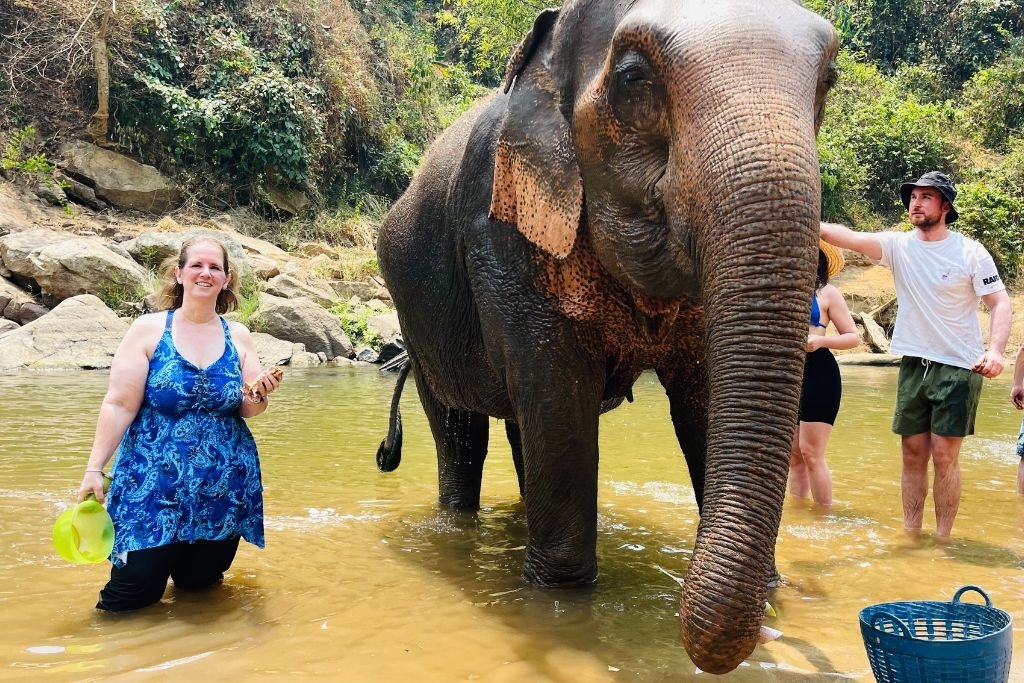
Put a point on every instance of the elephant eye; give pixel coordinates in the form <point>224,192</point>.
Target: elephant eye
<point>831,75</point>
<point>633,94</point>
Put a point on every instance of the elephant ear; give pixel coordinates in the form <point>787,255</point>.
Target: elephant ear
<point>537,184</point>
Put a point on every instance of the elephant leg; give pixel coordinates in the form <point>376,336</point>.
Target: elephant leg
<point>461,439</point>
<point>560,456</point>
<point>515,442</point>
<point>687,403</point>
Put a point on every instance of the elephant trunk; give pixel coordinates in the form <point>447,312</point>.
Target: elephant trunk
<point>756,294</point>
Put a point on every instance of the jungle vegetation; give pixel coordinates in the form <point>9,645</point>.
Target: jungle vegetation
<point>339,98</point>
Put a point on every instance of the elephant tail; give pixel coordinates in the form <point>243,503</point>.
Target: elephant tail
<point>389,453</point>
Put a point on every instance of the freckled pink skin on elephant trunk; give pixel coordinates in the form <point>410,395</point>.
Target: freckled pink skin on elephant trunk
<point>644,194</point>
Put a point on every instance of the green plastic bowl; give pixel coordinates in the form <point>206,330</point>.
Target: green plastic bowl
<point>85,533</point>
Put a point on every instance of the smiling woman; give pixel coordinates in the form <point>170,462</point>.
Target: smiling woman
<point>187,484</point>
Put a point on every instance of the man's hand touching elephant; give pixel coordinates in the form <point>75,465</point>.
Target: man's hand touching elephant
<point>989,365</point>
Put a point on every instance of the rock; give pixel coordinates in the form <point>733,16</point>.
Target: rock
<point>80,333</point>
<point>15,214</point>
<point>385,326</point>
<point>271,350</point>
<point>78,266</point>
<point>873,336</point>
<point>263,267</point>
<point>11,292</point>
<point>305,360</point>
<point>346,289</point>
<point>252,245</point>
<point>879,359</point>
<point>118,180</point>
<point>312,249</point>
<point>287,199</point>
<point>366,354</point>
<point>7,326</point>
<point>17,248</point>
<point>82,194</point>
<point>290,287</point>
<point>29,311</point>
<point>50,193</point>
<point>302,320</point>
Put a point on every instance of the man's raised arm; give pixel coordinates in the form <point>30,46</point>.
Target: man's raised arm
<point>845,238</point>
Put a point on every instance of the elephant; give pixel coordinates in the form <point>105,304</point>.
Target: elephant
<point>643,193</point>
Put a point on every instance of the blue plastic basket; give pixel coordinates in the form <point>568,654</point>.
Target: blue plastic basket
<point>938,642</point>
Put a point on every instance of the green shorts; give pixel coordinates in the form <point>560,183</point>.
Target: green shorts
<point>937,398</point>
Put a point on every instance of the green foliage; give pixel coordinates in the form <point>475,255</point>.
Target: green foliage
<point>994,217</point>
<point>870,124</point>
<point>843,177</point>
<point>992,104</point>
<point>123,298</point>
<point>354,320</point>
<point>485,32</point>
<point>953,42</point>
<point>248,305</point>
<point>23,157</point>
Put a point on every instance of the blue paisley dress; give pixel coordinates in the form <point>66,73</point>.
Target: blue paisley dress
<point>187,468</point>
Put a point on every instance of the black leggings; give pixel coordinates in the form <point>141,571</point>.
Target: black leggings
<point>143,578</point>
<point>823,388</point>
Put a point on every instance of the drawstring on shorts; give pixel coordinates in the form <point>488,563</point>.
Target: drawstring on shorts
<point>927,366</point>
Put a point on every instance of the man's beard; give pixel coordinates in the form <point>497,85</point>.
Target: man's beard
<point>924,222</point>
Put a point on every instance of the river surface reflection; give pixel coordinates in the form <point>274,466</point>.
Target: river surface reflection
<point>364,578</point>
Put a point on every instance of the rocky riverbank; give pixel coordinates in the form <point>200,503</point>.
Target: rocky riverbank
<point>71,281</point>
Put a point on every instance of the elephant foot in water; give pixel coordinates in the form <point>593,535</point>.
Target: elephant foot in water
<point>540,569</point>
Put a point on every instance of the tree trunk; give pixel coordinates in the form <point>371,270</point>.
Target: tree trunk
<point>98,126</point>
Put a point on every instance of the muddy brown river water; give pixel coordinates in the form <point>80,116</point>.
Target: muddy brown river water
<point>365,579</point>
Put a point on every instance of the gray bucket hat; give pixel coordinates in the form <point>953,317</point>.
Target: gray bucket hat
<point>941,182</point>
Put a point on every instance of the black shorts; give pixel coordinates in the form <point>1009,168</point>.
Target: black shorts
<point>143,578</point>
<point>823,388</point>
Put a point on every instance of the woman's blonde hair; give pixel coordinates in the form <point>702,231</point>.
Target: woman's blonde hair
<point>171,293</point>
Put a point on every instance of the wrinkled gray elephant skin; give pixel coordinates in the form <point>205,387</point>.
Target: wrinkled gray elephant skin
<point>642,194</point>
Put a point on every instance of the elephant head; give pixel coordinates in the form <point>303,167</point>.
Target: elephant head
<point>679,136</point>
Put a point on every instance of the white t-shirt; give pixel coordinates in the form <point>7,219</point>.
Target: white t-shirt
<point>938,287</point>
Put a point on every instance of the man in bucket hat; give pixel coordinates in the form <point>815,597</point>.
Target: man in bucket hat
<point>940,276</point>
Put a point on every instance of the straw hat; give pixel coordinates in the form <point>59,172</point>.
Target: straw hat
<point>834,256</point>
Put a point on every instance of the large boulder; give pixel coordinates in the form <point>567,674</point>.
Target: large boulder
<point>118,180</point>
<point>290,287</point>
<point>271,350</point>
<point>63,267</point>
<point>79,334</point>
<point>16,249</point>
<point>385,326</point>
<point>304,321</point>
<point>80,266</point>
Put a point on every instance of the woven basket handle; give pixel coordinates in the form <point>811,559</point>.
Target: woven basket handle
<point>896,620</point>
<point>976,589</point>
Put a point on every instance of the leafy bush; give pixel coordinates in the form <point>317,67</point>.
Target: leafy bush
<point>23,157</point>
<point>483,33</point>
<point>992,105</point>
<point>843,177</point>
<point>995,218</point>
<point>953,42</point>
<point>354,320</point>
<point>892,137</point>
